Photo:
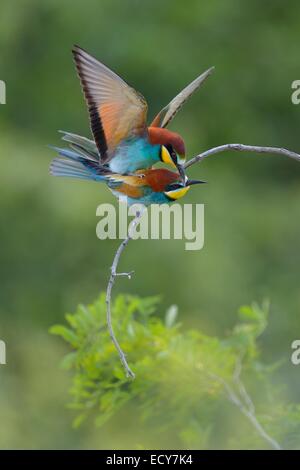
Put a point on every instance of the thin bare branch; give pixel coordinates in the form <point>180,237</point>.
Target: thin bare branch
<point>112,278</point>
<point>242,148</point>
<point>244,403</point>
<point>241,388</point>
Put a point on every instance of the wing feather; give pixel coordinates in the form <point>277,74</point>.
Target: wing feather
<point>116,110</point>
<point>165,116</point>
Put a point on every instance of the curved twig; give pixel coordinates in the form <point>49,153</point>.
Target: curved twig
<point>242,148</point>
<point>112,278</point>
<point>241,399</point>
<point>114,274</point>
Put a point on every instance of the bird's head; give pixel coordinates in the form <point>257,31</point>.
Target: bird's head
<point>172,148</point>
<point>171,184</point>
<point>177,189</point>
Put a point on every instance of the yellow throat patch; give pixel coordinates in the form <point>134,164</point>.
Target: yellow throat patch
<point>177,193</point>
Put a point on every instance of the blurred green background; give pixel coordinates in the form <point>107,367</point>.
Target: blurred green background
<point>50,257</point>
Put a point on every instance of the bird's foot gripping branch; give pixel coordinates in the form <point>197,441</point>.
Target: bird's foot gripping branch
<point>188,377</point>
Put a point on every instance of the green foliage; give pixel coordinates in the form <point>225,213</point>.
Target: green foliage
<point>180,374</point>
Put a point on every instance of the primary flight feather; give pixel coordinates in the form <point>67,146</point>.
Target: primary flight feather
<point>118,119</point>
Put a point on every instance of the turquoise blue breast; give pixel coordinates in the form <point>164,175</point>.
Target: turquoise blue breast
<point>134,154</point>
<point>153,198</point>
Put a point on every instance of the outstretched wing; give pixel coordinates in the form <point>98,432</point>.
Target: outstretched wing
<point>165,116</point>
<point>116,110</point>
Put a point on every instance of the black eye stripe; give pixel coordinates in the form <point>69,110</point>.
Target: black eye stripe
<point>171,151</point>
<point>160,153</point>
<point>174,186</point>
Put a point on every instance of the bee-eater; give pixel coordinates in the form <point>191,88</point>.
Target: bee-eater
<point>148,186</point>
<point>118,118</point>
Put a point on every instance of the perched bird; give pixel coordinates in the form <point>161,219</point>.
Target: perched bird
<point>123,142</point>
<point>148,186</point>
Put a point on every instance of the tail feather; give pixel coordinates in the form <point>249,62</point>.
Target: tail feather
<point>70,165</point>
<point>71,169</point>
<point>84,153</point>
<point>66,153</point>
<point>81,160</point>
<point>83,143</point>
<point>73,165</point>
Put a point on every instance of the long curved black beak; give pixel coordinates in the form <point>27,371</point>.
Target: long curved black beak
<point>190,182</point>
